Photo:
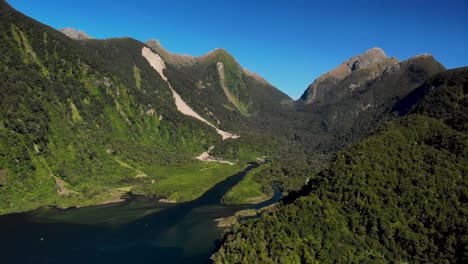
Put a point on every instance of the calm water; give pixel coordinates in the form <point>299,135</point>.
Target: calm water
<point>139,230</point>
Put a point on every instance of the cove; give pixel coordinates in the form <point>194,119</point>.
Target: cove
<point>139,230</point>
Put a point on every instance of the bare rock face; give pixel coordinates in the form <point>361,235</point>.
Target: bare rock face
<point>75,34</point>
<point>370,59</point>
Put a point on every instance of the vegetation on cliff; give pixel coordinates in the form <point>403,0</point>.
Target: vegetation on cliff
<point>397,196</point>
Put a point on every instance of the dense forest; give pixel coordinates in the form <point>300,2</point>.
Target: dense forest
<point>68,116</point>
<point>82,119</point>
<point>398,196</point>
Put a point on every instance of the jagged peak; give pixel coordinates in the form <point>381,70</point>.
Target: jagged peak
<point>74,33</point>
<point>156,45</point>
<point>217,55</point>
<point>368,59</point>
<point>375,51</point>
<point>154,42</point>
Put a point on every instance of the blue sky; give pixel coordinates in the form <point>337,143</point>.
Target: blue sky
<point>289,43</point>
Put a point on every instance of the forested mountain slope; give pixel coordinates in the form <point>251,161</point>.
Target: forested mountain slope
<point>223,92</point>
<point>350,107</point>
<point>71,117</point>
<point>82,118</point>
<point>363,96</point>
<point>398,196</point>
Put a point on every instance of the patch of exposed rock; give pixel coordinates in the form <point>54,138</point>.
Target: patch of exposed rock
<point>158,64</point>
<point>206,156</point>
<point>75,34</point>
<point>61,187</point>
<point>181,60</point>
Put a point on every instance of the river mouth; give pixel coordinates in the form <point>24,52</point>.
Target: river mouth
<point>138,230</point>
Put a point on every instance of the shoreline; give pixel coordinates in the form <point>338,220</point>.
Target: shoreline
<point>114,196</point>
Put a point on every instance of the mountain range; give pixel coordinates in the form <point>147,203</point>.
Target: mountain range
<point>84,119</point>
<point>127,102</point>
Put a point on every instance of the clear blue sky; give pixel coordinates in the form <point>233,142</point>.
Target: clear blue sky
<point>289,43</point>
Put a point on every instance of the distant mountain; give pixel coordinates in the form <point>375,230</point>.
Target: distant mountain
<point>349,102</point>
<point>74,34</point>
<point>356,73</point>
<point>373,59</point>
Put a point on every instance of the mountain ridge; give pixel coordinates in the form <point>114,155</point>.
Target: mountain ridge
<point>395,197</point>
<point>364,60</point>
<point>374,166</point>
<point>181,60</point>
<point>120,108</point>
<point>374,61</point>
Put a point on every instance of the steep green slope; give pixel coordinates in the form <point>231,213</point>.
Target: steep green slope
<point>74,124</point>
<point>82,118</point>
<point>241,102</point>
<point>305,140</point>
<point>351,114</point>
<point>218,88</point>
<point>398,196</point>
<point>234,99</point>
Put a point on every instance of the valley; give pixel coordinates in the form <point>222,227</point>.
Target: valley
<point>116,150</point>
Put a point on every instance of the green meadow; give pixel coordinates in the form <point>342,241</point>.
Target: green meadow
<point>185,183</point>
<point>249,191</point>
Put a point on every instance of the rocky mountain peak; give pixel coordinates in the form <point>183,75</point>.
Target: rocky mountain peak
<point>328,80</point>
<point>368,58</point>
<point>75,34</point>
<point>154,43</point>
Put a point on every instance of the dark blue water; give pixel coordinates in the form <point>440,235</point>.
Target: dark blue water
<point>139,230</point>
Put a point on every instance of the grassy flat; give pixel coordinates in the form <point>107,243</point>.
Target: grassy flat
<point>185,183</point>
<point>248,191</point>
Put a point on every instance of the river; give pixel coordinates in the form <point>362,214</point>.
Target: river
<point>138,230</point>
